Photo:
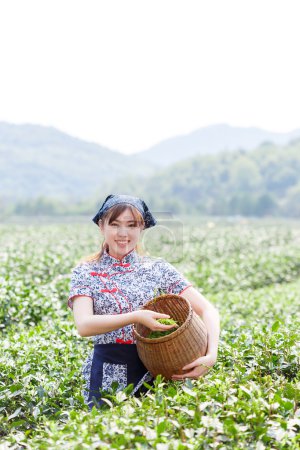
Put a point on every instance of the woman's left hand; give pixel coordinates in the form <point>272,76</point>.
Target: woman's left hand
<point>197,368</point>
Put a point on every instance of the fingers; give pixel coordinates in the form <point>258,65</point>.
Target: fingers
<point>192,374</point>
<point>189,366</point>
<point>150,320</point>
<point>198,362</point>
<point>196,369</point>
<point>160,315</point>
<point>161,326</point>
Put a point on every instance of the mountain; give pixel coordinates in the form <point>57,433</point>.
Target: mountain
<point>212,139</point>
<point>258,182</point>
<point>42,161</point>
<point>42,166</point>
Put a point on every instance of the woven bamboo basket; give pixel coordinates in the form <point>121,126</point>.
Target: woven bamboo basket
<point>168,354</point>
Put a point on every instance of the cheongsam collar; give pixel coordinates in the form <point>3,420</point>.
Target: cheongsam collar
<point>130,258</point>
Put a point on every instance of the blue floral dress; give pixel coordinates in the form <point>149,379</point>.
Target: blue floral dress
<point>116,287</point>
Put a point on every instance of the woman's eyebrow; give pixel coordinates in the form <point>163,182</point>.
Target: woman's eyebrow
<point>124,221</point>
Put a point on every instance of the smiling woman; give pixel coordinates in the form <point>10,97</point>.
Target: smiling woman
<point>108,290</point>
<point>121,235</point>
<point>121,227</point>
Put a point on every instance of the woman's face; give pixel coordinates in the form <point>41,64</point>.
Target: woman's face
<point>122,234</point>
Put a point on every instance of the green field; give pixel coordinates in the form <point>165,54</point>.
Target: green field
<point>250,400</point>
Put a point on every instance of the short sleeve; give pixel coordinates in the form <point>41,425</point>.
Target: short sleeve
<point>79,284</point>
<point>171,280</point>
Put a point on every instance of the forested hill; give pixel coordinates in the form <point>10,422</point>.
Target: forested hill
<point>264,181</point>
<point>211,140</point>
<point>43,161</point>
<point>44,171</point>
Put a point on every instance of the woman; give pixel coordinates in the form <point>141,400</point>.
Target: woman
<point>107,291</point>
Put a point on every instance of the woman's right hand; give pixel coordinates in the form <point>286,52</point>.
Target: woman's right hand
<point>149,319</point>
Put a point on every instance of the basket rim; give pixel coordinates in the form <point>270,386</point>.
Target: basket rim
<point>176,332</point>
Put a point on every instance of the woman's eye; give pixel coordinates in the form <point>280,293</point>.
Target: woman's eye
<point>132,225</point>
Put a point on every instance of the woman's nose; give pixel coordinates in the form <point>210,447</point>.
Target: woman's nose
<point>122,231</point>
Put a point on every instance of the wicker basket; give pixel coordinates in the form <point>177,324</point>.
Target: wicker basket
<point>168,354</point>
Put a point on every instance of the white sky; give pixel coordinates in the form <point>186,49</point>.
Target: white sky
<point>129,73</point>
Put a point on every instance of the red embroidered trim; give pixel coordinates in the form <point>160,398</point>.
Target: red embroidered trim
<point>70,303</point>
<point>121,341</point>
<point>190,285</point>
<point>117,301</point>
<point>98,274</point>
<point>80,295</point>
<point>116,289</point>
<point>110,291</point>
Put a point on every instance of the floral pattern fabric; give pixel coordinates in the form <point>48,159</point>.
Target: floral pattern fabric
<point>114,372</point>
<point>121,286</point>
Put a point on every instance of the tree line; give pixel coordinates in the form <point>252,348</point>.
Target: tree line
<point>261,182</point>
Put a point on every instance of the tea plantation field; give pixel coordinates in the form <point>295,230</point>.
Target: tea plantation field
<point>249,400</point>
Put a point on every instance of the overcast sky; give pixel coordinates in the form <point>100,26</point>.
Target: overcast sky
<point>127,74</point>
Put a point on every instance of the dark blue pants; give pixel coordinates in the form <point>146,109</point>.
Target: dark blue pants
<point>114,362</point>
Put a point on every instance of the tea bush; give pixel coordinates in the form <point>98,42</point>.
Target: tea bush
<point>250,399</point>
